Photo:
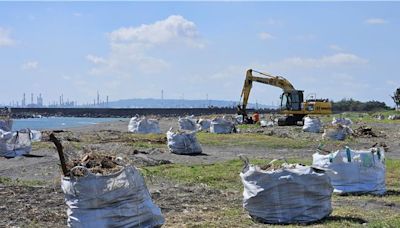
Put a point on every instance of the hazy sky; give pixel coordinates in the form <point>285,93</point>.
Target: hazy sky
<point>134,50</point>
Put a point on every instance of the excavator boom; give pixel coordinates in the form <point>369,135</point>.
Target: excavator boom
<point>269,79</point>
<point>292,100</point>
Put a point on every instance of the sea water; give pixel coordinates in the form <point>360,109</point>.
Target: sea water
<point>58,122</point>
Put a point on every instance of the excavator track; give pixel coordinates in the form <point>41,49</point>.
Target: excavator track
<point>290,120</point>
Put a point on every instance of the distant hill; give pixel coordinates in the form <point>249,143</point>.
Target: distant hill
<point>176,103</point>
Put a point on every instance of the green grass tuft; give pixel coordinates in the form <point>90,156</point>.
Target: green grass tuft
<point>18,182</point>
<point>251,140</point>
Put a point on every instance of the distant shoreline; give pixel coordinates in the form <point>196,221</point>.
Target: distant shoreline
<point>23,113</point>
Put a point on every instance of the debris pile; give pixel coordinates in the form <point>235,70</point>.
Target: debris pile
<point>288,193</point>
<point>95,163</point>
<point>364,131</point>
<point>355,171</point>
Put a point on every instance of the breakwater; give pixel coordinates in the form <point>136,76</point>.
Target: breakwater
<point>120,112</point>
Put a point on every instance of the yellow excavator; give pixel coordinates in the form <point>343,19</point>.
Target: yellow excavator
<point>292,100</point>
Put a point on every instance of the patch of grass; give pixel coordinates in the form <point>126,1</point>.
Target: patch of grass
<point>147,145</point>
<point>366,117</point>
<point>393,221</point>
<point>18,182</point>
<point>393,173</point>
<point>223,175</point>
<point>251,140</point>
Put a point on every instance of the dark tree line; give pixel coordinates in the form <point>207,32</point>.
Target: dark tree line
<point>353,105</point>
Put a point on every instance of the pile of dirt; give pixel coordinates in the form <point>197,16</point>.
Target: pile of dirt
<point>364,131</point>
<point>95,163</point>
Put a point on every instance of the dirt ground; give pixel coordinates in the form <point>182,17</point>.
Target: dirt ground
<point>35,199</point>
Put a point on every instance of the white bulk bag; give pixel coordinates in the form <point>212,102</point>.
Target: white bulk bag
<point>143,126</point>
<point>312,125</point>
<point>13,144</point>
<point>120,199</point>
<point>221,126</point>
<point>36,136</point>
<point>342,121</point>
<point>204,125</point>
<point>337,132</point>
<point>6,124</point>
<point>357,171</point>
<point>264,123</point>
<point>394,117</point>
<point>183,143</point>
<point>187,123</point>
<point>296,194</point>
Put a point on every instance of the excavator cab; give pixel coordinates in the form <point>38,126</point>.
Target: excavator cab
<point>292,101</point>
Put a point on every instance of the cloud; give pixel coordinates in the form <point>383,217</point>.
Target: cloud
<point>265,36</point>
<point>376,21</point>
<point>336,47</point>
<point>134,49</point>
<point>339,59</point>
<point>30,65</point>
<point>95,59</point>
<point>174,28</point>
<point>5,39</point>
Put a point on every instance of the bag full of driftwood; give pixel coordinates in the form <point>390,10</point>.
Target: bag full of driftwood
<point>142,125</point>
<point>312,125</point>
<point>102,192</point>
<point>222,126</point>
<point>183,142</point>
<point>36,136</point>
<point>337,132</point>
<point>13,144</point>
<point>204,125</point>
<point>6,124</point>
<point>187,123</point>
<point>286,193</point>
<point>342,121</point>
<point>358,171</point>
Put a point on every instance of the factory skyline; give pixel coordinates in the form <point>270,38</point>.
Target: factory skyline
<point>60,102</point>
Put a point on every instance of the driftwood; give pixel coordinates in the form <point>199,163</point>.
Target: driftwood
<point>59,147</point>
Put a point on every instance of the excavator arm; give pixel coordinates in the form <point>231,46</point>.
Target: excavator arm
<point>277,81</point>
